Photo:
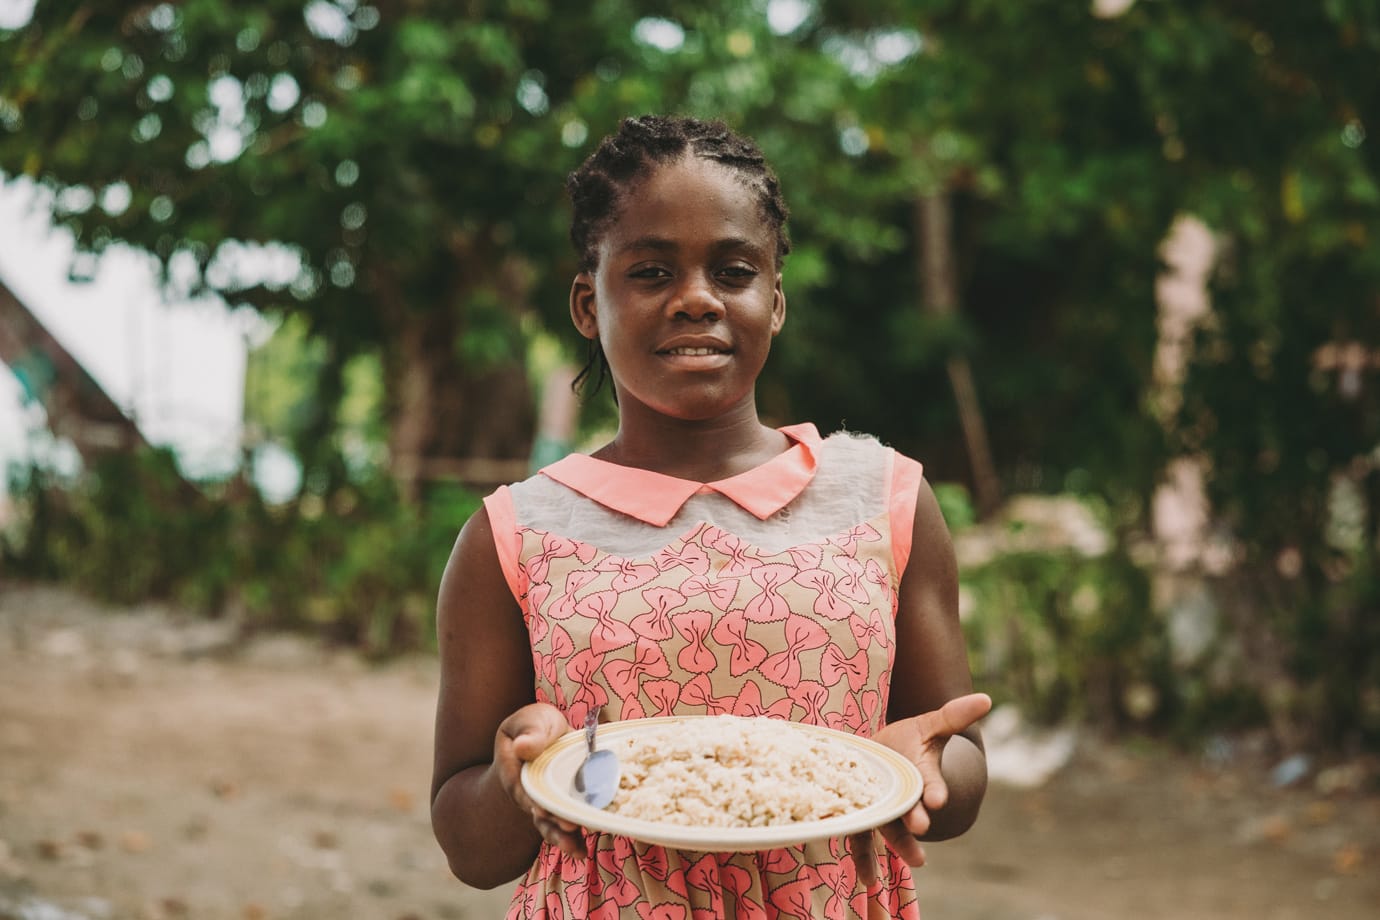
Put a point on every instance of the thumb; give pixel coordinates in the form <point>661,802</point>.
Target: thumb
<point>533,729</point>
<point>961,712</point>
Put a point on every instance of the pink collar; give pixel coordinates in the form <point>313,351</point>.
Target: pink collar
<point>655,497</point>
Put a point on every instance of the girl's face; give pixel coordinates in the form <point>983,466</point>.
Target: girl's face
<point>686,297</point>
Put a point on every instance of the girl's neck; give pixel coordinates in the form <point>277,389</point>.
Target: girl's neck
<point>699,451</point>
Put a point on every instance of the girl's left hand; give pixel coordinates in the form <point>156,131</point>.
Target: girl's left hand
<point>922,738</point>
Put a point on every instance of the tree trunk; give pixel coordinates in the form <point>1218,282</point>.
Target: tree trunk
<point>451,421</point>
<point>939,293</point>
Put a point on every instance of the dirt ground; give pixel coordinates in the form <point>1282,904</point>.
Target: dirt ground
<point>154,768</point>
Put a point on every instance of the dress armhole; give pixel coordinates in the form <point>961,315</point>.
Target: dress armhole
<point>906,476</point>
<point>507,542</point>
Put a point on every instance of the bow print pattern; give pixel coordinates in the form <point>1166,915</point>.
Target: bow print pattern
<point>712,624</point>
<point>731,632</point>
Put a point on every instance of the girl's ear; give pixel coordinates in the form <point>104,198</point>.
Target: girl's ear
<point>778,307</point>
<point>583,310</point>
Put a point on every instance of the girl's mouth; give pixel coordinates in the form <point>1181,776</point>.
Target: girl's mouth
<point>695,352</point>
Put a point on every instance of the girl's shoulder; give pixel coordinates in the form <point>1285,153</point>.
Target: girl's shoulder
<point>852,454</point>
<point>846,443</point>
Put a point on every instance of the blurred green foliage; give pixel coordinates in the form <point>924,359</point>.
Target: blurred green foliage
<point>125,530</point>
<point>359,568</point>
<point>412,157</point>
<point>1069,637</point>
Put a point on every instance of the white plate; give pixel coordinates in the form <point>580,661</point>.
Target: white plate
<point>548,780</point>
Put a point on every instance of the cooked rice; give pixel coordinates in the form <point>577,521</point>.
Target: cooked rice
<point>730,771</point>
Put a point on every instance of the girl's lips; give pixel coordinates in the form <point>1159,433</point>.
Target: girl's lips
<point>695,345</point>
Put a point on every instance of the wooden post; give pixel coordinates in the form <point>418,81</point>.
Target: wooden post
<point>939,293</point>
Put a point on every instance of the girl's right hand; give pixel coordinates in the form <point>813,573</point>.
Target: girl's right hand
<point>521,738</point>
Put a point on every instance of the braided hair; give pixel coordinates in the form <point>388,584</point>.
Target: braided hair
<point>598,187</point>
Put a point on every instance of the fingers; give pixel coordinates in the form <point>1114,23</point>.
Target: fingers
<point>935,792</point>
<point>930,763</point>
<point>937,727</point>
<point>521,738</point>
<point>564,836</point>
<point>863,848</point>
<point>903,843</point>
<point>864,851</point>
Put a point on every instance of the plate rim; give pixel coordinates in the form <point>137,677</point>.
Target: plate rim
<point>542,789</point>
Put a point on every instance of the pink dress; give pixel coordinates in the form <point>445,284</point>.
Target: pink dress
<point>772,593</point>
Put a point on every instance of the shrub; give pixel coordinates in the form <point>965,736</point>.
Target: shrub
<point>359,567</point>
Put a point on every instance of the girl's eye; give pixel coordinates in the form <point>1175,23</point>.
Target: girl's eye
<point>649,271</point>
<point>738,272</point>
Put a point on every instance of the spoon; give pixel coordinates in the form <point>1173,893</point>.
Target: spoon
<point>596,780</point>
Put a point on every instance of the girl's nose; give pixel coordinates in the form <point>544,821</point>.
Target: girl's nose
<point>695,300</point>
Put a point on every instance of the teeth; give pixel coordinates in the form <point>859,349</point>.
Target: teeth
<point>694,351</point>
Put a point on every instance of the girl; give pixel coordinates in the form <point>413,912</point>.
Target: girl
<point>700,562</point>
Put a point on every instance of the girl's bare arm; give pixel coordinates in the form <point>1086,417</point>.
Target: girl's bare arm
<point>931,669</point>
<point>487,721</point>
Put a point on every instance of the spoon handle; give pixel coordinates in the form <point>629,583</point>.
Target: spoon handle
<point>591,724</point>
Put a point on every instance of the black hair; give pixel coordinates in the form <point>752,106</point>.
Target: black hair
<point>597,188</point>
